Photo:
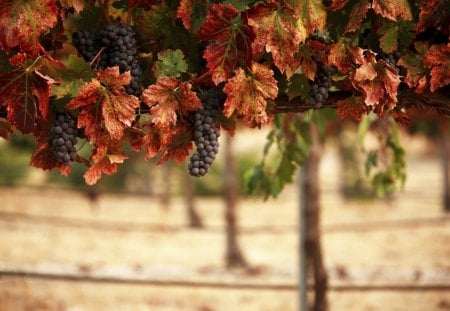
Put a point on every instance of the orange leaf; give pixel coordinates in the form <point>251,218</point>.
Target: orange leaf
<point>167,97</point>
<point>276,30</point>
<point>393,9</point>
<point>22,22</point>
<point>378,81</point>
<point>231,38</point>
<point>434,13</point>
<point>438,59</point>
<point>105,104</point>
<point>352,107</point>
<point>248,94</point>
<point>25,92</point>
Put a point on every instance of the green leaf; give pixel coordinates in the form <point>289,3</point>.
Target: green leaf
<point>75,75</point>
<point>170,64</point>
<point>389,38</point>
<point>298,86</point>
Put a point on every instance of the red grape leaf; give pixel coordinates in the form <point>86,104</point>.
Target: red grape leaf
<point>78,5</point>
<point>184,12</point>
<point>180,144</point>
<point>307,63</point>
<point>352,107</point>
<point>22,22</point>
<point>415,71</point>
<point>104,102</point>
<point>313,16</point>
<point>392,9</point>
<point>5,128</point>
<point>25,92</point>
<point>438,59</point>
<point>377,81</point>
<point>338,4</point>
<point>107,156</point>
<point>167,97</point>
<point>276,30</point>
<point>231,38</point>
<point>357,14</point>
<point>155,139</point>
<point>248,94</point>
<point>44,157</point>
<point>343,56</point>
<point>434,13</point>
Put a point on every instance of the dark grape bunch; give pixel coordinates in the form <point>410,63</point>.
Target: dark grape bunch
<point>118,47</point>
<point>320,86</point>
<point>206,132</point>
<point>64,135</point>
<point>121,50</point>
<point>392,59</point>
<point>87,44</point>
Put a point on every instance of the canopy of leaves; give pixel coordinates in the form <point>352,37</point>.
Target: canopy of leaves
<point>263,55</point>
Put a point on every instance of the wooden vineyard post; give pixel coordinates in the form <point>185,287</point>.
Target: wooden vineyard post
<point>234,256</point>
<point>311,239</point>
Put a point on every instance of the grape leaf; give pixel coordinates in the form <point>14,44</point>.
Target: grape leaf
<point>276,30</point>
<point>5,128</point>
<point>155,139</point>
<point>307,63</point>
<point>78,5</point>
<point>352,107</point>
<point>434,13</point>
<point>167,97</point>
<point>378,82</point>
<point>415,71</point>
<point>192,13</point>
<point>248,94</point>
<point>106,157</point>
<point>438,59</point>
<point>44,157</point>
<point>231,37</point>
<point>393,9</point>
<point>22,22</point>
<point>343,56</point>
<point>180,144</point>
<point>104,102</point>
<point>357,14</point>
<point>170,64</point>
<point>338,4</point>
<point>25,92</point>
<point>73,75</point>
<point>389,39</point>
<point>313,16</point>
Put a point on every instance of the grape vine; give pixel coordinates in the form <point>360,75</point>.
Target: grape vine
<point>128,72</point>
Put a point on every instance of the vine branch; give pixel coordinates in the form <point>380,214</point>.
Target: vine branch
<point>438,101</point>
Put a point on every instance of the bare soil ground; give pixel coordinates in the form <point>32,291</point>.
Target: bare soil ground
<point>401,241</point>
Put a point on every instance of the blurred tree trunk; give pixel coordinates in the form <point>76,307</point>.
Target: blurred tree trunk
<point>234,256</point>
<point>312,240</point>
<point>445,151</point>
<point>195,221</point>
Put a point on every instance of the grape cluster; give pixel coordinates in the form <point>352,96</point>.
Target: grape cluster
<point>118,47</point>
<point>87,44</point>
<point>319,89</point>
<point>64,135</point>
<point>391,59</point>
<point>120,50</point>
<point>206,132</point>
